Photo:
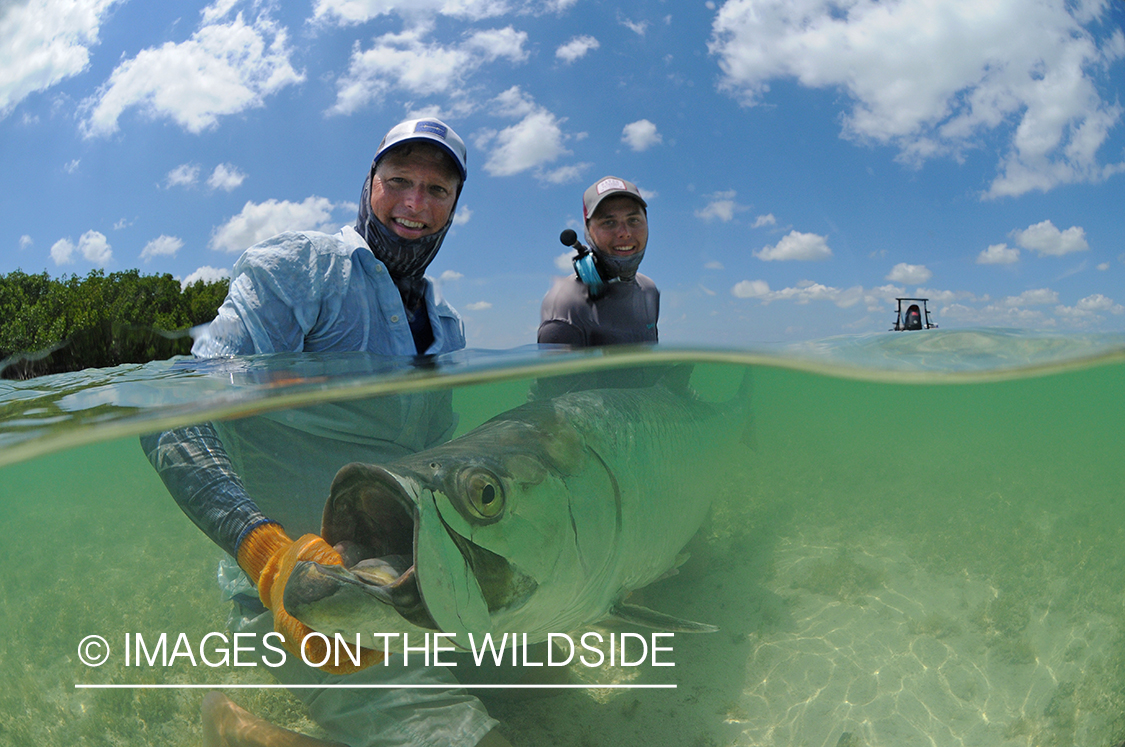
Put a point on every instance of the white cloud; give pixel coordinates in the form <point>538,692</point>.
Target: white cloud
<point>72,166</point>
<point>478,306</point>
<point>764,220</point>
<point>95,248</point>
<point>62,252</point>
<point>721,207</point>
<point>223,69</point>
<point>259,221</point>
<point>449,275</point>
<point>751,289</point>
<point>570,174</point>
<point>25,242</point>
<point>641,135</point>
<point>1091,306</point>
<point>43,42</point>
<point>713,266</point>
<point>576,48</point>
<point>184,175</point>
<point>806,247</point>
<point>462,216</point>
<point>92,245</point>
<point>936,78</point>
<point>207,274</point>
<point>637,27</point>
<point>225,177</point>
<point>804,292</point>
<point>999,254</point>
<point>536,140</point>
<point>405,62</point>
<point>909,274</point>
<point>161,246</point>
<point>347,12</point>
<point>1103,266</point>
<point>565,262</point>
<point>1048,241</point>
<point>1037,297</point>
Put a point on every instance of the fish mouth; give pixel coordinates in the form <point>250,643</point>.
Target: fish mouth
<point>371,520</point>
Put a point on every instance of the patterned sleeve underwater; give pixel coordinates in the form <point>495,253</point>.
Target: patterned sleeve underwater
<point>198,473</point>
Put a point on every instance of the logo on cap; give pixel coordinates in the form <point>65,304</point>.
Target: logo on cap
<point>432,127</point>
<point>606,185</point>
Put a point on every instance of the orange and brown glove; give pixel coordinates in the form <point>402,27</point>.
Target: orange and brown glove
<point>268,556</point>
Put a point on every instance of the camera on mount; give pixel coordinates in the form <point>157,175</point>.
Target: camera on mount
<point>585,264</point>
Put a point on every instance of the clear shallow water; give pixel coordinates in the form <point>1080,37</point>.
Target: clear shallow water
<point>924,547</point>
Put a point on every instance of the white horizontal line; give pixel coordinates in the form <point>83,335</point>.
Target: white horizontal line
<point>242,686</point>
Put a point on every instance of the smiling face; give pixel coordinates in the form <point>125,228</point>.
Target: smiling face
<point>619,227</point>
<point>414,190</point>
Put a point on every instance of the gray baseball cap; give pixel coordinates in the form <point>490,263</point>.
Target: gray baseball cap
<point>608,186</point>
<point>428,129</point>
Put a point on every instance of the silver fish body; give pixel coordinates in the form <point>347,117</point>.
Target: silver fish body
<point>539,521</point>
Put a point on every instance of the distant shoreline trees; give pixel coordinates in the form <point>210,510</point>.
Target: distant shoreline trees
<point>71,323</point>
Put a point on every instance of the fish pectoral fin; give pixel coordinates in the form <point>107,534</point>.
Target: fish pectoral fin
<point>634,614</point>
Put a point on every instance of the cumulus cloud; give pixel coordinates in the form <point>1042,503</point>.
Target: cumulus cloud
<point>43,42</point>
<point>934,79</point>
<point>407,62</point>
<point>348,12</point>
<point>478,306</point>
<point>806,247</point>
<point>1047,241</point>
<point>92,245</point>
<point>570,174</point>
<point>1089,308</point>
<point>751,289</point>
<point>909,274</point>
<point>224,68</point>
<point>161,246</point>
<point>259,221</point>
<point>1037,297</point>
<point>764,220</point>
<point>225,177</point>
<point>25,242</point>
<point>999,254</point>
<point>722,206</point>
<point>565,262</point>
<point>804,292</point>
<point>207,274</point>
<point>576,48</point>
<point>537,139</point>
<point>462,216</point>
<point>184,175</point>
<point>641,135</point>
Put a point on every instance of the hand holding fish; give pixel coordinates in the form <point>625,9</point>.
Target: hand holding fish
<point>269,556</point>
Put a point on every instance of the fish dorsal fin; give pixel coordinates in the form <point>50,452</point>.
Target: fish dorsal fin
<point>634,614</point>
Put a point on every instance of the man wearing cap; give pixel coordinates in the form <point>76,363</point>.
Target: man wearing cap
<point>362,289</point>
<point>608,303</point>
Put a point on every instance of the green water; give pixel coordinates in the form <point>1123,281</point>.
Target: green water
<point>900,560</point>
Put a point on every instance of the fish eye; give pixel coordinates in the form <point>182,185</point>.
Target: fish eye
<point>486,495</point>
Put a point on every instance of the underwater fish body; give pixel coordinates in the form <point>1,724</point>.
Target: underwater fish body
<point>539,521</point>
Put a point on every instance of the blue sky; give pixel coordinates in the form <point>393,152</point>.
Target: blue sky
<point>805,162</point>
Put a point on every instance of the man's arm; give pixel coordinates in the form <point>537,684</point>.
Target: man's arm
<point>558,332</point>
<point>198,473</point>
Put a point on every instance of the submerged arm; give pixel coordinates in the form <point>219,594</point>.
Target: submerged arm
<point>198,473</point>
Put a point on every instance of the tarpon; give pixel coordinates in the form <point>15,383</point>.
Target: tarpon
<point>542,520</point>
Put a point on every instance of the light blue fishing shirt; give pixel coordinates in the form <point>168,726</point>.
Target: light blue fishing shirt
<point>303,292</point>
<point>312,292</point>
